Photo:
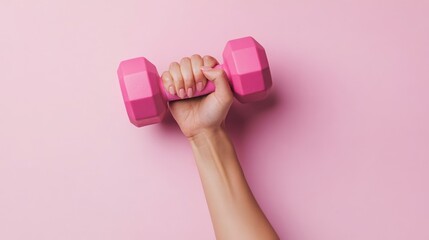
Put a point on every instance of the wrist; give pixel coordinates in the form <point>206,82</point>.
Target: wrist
<point>206,134</point>
<point>212,145</point>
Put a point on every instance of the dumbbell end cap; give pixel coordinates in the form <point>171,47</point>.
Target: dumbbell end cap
<point>247,65</point>
<point>144,102</point>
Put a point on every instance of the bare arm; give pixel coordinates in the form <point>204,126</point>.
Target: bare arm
<point>234,211</point>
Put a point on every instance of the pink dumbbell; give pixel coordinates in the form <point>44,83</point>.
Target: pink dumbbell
<point>245,63</point>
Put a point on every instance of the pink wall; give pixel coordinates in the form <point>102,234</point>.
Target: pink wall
<point>340,151</point>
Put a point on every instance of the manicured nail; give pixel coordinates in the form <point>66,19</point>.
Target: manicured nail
<point>171,90</point>
<point>199,86</point>
<point>205,68</point>
<point>190,92</point>
<point>182,93</point>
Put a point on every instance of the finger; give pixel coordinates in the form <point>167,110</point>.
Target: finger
<point>177,79</point>
<point>167,81</point>
<point>222,89</point>
<point>188,75</point>
<point>210,61</point>
<point>200,80</point>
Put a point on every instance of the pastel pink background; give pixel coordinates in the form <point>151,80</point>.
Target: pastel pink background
<point>339,151</point>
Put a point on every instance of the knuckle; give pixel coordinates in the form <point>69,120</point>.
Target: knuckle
<point>166,77</point>
<point>209,61</point>
<point>185,60</point>
<point>196,57</point>
<point>173,65</point>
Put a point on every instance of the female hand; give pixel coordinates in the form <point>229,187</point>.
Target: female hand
<point>202,114</point>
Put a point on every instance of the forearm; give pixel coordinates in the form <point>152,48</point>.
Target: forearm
<point>234,211</point>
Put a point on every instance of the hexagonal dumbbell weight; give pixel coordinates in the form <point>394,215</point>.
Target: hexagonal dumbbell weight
<point>245,63</point>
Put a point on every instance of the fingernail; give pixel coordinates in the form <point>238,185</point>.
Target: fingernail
<point>190,92</point>
<point>205,68</point>
<point>182,93</point>
<point>171,90</point>
<point>199,86</point>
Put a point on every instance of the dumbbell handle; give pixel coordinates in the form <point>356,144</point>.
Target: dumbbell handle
<point>209,88</point>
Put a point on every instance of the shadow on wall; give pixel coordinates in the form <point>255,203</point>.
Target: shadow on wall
<point>242,116</point>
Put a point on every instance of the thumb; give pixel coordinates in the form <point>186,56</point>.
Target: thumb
<point>220,80</point>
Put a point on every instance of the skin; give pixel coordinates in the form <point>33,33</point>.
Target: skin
<point>233,209</point>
